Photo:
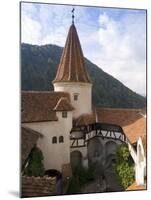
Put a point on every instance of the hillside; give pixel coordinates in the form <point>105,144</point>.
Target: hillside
<point>38,69</point>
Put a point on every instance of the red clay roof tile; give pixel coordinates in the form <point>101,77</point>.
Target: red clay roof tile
<point>130,120</point>
<point>63,105</point>
<point>39,106</point>
<point>72,67</point>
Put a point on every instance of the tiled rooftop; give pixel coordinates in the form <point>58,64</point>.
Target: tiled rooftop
<point>72,67</point>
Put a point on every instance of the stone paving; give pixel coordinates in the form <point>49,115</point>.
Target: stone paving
<point>105,181</point>
<point>112,183</point>
<point>109,184</point>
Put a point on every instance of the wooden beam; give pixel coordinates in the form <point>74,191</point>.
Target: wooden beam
<point>106,134</point>
<point>96,131</point>
<point>78,146</point>
<point>114,134</point>
<point>73,143</point>
<point>120,137</point>
<point>110,133</point>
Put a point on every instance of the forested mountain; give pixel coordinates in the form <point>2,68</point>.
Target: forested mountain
<point>38,69</point>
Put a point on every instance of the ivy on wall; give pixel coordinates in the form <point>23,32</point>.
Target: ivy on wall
<point>124,166</point>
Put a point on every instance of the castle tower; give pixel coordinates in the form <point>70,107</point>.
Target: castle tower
<point>72,76</point>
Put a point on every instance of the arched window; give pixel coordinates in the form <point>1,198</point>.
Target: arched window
<point>54,140</point>
<point>61,139</point>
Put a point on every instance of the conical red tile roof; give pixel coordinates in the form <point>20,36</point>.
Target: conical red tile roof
<point>72,67</point>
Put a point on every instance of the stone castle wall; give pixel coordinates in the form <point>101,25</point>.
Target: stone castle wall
<point>37,186</point>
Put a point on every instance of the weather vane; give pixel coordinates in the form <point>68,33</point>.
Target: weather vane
<point>73,15</point>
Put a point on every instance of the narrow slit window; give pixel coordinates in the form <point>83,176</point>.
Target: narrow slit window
<point>54,140</point>
<point>61,139</point>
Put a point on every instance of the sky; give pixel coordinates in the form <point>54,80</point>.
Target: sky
<point>112,38</point>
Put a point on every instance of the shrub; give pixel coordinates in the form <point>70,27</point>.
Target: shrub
<point>124,166</point>
<point>80,177</point>
<point>35,166</point>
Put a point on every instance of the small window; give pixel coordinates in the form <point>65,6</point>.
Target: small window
<point>75,97</point>
<point>54,140</point>
<point>64,114</point>
<point>61,140</point>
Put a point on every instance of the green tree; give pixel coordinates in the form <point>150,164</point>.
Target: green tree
<point>124,166</point>
<point>35,166</point>
<point>80,177</point>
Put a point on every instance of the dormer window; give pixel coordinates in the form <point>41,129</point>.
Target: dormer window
<point>76,96</point>
<point>64,114</point>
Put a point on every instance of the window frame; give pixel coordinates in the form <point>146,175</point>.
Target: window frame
<point>75,96</point>
<point>61,139</point>
<point>54,140</point>
<point>64,114</point>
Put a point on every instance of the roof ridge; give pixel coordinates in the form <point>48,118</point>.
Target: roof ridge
<point>63,106</point>
<point>59,101</point>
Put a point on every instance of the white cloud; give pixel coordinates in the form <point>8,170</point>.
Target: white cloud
<point>116,44</point>
<point>30,28</point>
<point>122,52</point>
<point>104,19</point>
<point>55,24</point>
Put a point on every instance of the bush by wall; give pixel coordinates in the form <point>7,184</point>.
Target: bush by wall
<point>124,166</point>
<point>35,165</point>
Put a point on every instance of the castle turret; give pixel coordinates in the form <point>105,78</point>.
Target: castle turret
<point>72,76</point>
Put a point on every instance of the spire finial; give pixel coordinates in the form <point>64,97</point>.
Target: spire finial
<point>73,15</point>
